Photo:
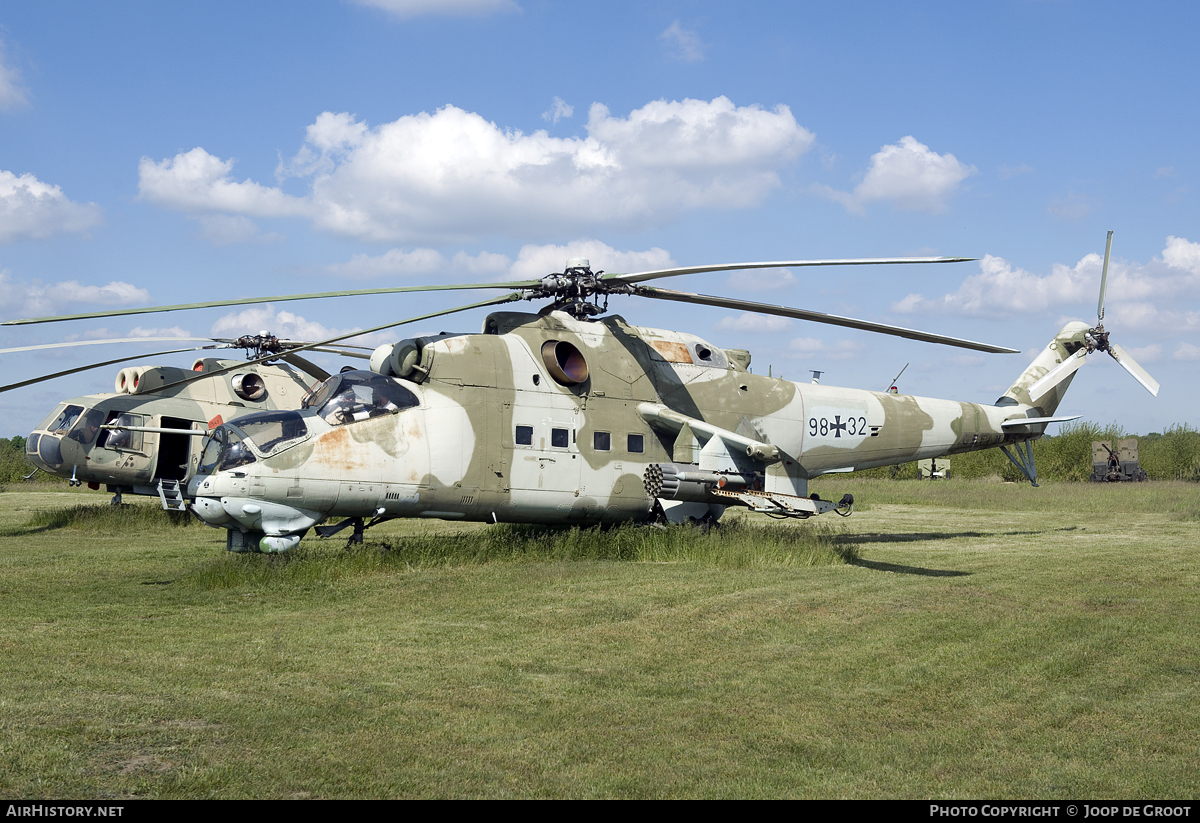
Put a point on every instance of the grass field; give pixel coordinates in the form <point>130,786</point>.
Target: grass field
<point>950,640</point>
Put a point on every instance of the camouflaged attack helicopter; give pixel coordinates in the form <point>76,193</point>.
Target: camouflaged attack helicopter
<point>142,439</point>
<point>572,416</point>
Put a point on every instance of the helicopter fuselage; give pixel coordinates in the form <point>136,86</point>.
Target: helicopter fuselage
<point>75,440</point>
<point>549,419</point>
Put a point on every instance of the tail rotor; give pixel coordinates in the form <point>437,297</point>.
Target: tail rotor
<point>1095,339</point>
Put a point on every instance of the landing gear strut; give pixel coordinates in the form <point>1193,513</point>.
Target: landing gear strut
<point>356,537</point>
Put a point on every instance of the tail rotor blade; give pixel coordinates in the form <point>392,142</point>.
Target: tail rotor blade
<point>1104,280</point>
<point>1056,375</point>
<point>1130,365</point>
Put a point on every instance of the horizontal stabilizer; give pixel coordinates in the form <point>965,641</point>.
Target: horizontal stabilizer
<point>1020,422</point>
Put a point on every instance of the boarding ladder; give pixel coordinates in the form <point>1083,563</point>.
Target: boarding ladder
<point>171,495</point>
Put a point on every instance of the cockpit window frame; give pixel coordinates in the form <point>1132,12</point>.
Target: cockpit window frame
<point>355,396</point>
<point>232,434</point>
<point>258,421</point>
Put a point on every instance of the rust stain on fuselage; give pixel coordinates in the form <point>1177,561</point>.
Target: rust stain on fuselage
<point>672,352</point>
<point>339,450</point>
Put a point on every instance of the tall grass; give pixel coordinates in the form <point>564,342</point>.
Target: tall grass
<point>736,544</point>
<point>102,519</point>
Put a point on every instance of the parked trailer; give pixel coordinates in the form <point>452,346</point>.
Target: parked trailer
<point>1116,462</point>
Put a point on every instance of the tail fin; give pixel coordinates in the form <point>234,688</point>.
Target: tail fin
<point>1057,362</point>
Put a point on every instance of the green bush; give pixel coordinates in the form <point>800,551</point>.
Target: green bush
<point>1173,455</point>
<point>1067,456</point>
<point>13,465</point>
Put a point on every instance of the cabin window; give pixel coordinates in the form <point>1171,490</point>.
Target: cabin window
<point>602,441</point>
<point>121,438</point>
<point>87,427</point>
<point>524,436</point>
<point>637,444</point>
<point>559,438</point>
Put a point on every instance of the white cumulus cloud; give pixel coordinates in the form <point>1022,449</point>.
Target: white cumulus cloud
<point>38,299</point>
<point>12,93</point>
<point>159,331</point>
<point>682,44</point>
<point>1182,254</point>
<point>533,262</point>
<point>197,181</point>
<point>812,347</point>
<point>405,9</point>
<point>910,175</point>
<point>452,175</point>
<point>1151,296</point>
<point>1187,351</point>
<point>284,324</point>
<point>31,208</point>
<point>1000,289</point>
<point>290,326</point>
<point>558,110</point>
<point>104,334</point>
<point>751,322</point>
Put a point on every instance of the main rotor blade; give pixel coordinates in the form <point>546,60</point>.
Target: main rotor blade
<point>355,354</point>
<point>1104,280</point>
<point>643,276</point>
<point>817,317</point>
<point>101,342</point>
<point>1130,365</point>
<point>305,365</point>
<point>495,301</point>
<point>246,301</point>
<point>46,377</point>
<point>1056,375</point>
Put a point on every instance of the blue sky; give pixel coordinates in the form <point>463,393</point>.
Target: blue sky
<point>156,153</point>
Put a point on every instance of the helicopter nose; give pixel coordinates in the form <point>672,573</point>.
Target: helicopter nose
<point>279,525</point>
<point>211,511</point>
<point>31,451</point>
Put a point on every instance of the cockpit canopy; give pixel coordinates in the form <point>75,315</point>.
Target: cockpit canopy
<point>357,395</point>
<point>262,434</point>
<point>342,398</point>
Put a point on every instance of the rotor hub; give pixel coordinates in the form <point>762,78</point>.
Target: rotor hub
<point>577,290</point>
<point>259,345</point>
